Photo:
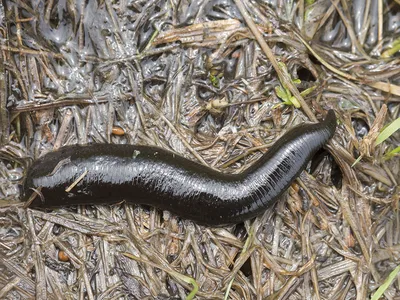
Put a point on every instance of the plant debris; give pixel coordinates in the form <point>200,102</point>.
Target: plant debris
<point>218,82</point>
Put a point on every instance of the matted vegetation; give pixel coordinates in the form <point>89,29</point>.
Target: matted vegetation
<point>217,81</point>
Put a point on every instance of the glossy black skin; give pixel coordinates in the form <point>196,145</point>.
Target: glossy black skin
<point>152,176</point>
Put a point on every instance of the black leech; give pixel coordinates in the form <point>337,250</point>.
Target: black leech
<point>152,176</point>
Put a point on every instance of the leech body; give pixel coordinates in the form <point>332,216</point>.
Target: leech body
<point>159,178</point>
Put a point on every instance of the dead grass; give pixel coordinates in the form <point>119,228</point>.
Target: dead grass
<point>199,78</point>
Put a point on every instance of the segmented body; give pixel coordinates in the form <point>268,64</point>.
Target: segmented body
<point>153,176</point>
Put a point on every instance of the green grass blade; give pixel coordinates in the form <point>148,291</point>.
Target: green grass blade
<point>392,153</point>
<point>385,285</point>
<point>388,131</point>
